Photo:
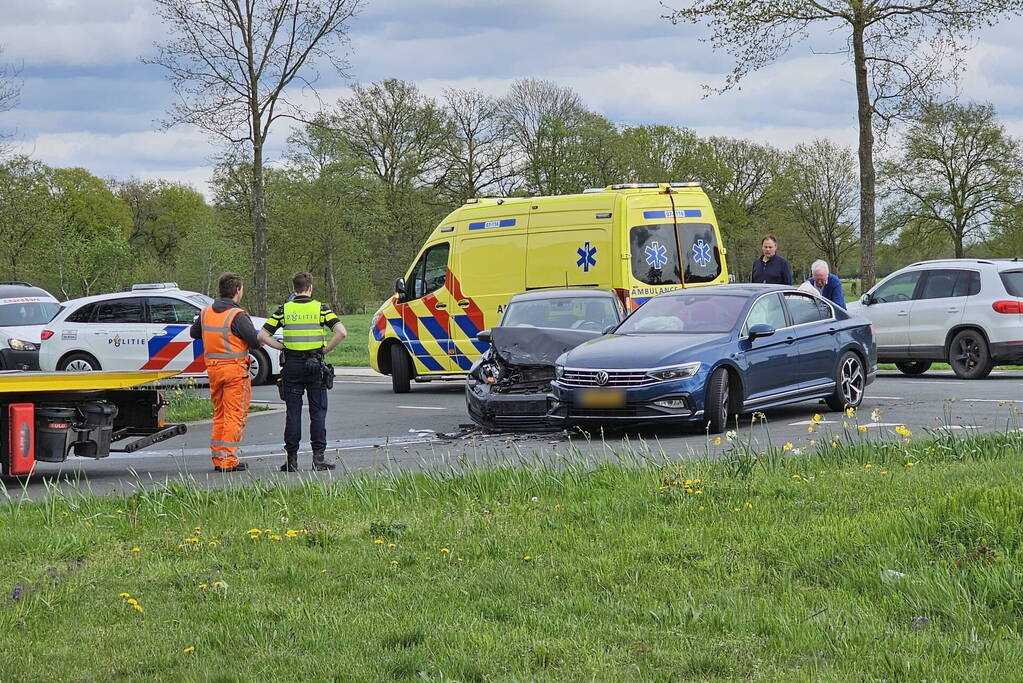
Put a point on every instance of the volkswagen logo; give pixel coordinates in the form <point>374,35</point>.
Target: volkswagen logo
<point>602,378</point>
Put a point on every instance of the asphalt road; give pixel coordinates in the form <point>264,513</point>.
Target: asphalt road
<point>371,428</point>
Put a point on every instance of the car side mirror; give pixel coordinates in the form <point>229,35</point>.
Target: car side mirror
<point>609,329</point>
<point>867,299</point>
<point>399,288</point>
<point>485,336</point>
<point>760,330</point>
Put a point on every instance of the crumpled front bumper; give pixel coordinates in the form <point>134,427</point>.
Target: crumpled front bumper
<point>509,412</point>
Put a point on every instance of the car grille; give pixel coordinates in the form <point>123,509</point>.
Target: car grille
<point>615,378</point>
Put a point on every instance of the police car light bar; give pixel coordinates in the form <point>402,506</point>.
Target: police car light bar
<point>154,285</point>
<point>634,186</point>
<point>684,184</point>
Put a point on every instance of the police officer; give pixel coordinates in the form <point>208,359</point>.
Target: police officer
<point>303,320</point>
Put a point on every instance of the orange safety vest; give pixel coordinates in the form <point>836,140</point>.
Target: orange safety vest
<point>219,345</point>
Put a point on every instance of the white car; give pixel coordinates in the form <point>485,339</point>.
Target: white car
<point>24,310</point>
<point>966,312</point>
<point>144,329</point>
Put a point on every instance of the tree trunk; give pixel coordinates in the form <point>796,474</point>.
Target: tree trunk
<point>868,177</point>
<point>331,283</point>
<point>257,301</point>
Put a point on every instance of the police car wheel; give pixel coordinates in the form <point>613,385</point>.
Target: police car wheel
<point>401,370</point>
<point>79,362</point>
<point>259,367</point>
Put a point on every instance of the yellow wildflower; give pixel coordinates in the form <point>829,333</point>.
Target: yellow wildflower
<point>394,563</point>
<point>701,507</point>
<point>445,550</point>
<point>869,466</point>
<point>192,540</point>
<point>910,464</point>
<point>291,533</point>
<point>254,531</point>
<point>717,441</point>
<point>213,544</point>
<point>813,442</point>
<point>850,412</point>
<point>749,506</point>
<point>219,584</point>
<point>787,447</point>
<point>266,531</point>
<point>379,541</point>
<point>189,650</point>
<point>123,595</point>
<point>902,431</point>
<point>132,601</point>
<point>528,558</point>
<point>136,549</point>
<point>834,444</point>
<point>392,546</point>
<point>810,430</point>
<point>884,471</point>
<point>796,476</point>
<point>138,608</point>
<point>202,586</point>
<point>816,418</point>
<point>275,537</point>
<point>862,429</point>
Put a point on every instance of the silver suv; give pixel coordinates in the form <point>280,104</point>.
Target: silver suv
<point>966,312</point>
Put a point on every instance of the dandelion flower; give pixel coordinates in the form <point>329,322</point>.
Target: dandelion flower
<point>379,541</point>
<point>394,563</point>
<point>138,608</point>
<point>701,507</point>
<point>136,549</point>
<point>219,584</point>
<point>446,551</point>
<point>816,418</point>
<point>189,650</point>
<point>910,464</point>
<point>834,444</point>
<point>291,533</point>
<point>213,544</point>
<point>132,601</point>
<point>813,442</point>
<point>869,466</point>
<point>884,471</point>
<point>850,412</point>
<point>717,441</point>
<point>796,476</point>
<point>810,430</point>
<point>392,546</point>
<point>902,431</point>
<point>202,586</point>
<point>787,446</point>
<point>192,540</point>
<point>528,558</point>
<point>275,537</point>
<point>254,531</point>
<point>861,429</point>
<point>749,506</point>
<point>123,595</point>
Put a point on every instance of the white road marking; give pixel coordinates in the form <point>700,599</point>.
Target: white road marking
<point>875,425</point>
<point>420,407</point>
<point>887,398</point>
<point>805,423</point>
<point>990,400</point>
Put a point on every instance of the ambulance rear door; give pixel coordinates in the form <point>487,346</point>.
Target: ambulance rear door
<point>570,242</point>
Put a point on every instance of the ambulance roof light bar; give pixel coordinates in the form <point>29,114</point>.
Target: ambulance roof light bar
<point>634,186</point>
<point>692,184</point>
<point>154,285</point>
<point>591,190</point>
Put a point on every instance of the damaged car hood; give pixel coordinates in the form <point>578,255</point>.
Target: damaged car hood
<point>525,346</point>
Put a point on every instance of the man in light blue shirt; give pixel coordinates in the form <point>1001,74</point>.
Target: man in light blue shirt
<point>827,283</point>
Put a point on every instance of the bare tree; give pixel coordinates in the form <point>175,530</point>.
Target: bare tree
<point>231,63</point>
<point>958,175</point>
<point>10,92</point>
<point>824,197</point>
<point>477,152</point>
<point>898,48</point>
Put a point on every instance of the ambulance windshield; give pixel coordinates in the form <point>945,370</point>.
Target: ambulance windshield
<point>17,314</point>
<point>654,251</point>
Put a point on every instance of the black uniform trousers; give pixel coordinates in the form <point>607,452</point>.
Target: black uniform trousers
<point>300,374</point>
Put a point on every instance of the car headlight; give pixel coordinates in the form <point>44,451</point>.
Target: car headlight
<point>19,345</point>
<point>684,371</point>
<point>559,370</point>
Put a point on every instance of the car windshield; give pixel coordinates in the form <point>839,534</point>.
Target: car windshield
<point>201,299</point>
<point>17,314</point>
<point>576,313</point>
<point>686,314</point>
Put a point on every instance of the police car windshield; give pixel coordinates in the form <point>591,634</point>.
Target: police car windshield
<point>581,313</point>
<point>17,314</point>
<point>201,299</point>
<point>685,314</point>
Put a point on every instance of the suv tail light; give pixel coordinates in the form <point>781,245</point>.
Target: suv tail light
<point>1010,307</point>
<point>46,334</point>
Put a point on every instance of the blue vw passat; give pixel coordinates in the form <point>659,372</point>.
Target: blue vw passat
<point>708,354</point>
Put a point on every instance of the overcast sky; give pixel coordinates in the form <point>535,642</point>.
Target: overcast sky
<point>87,101</point>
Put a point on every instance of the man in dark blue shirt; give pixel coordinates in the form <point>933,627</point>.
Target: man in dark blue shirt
<point>770,268</point>
<point>827,283</point>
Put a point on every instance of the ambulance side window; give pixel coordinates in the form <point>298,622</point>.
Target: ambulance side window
<point>430,272</point>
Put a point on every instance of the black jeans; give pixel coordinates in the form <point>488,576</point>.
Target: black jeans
<point>300,378</point>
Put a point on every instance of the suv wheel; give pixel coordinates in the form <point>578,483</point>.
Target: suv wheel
<point>916,367</point>
<point>969,356</point>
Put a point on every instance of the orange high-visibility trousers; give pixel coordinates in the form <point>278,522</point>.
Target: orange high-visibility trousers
<point>231,392</point>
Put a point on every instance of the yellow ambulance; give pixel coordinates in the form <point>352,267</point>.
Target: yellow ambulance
<point>639,239</point>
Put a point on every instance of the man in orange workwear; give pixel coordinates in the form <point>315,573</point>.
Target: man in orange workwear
<point>227,336</point>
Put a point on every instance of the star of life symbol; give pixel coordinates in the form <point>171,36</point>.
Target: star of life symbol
<point>701,252</point>
<point>656,255</point>
<point>586,257</point>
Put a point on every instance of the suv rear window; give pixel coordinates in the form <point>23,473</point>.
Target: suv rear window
<point>1013,281</point>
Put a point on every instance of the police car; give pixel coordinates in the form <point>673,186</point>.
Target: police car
<point>144,329</point>
<point>24,310</point>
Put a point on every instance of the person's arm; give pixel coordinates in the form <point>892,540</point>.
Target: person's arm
<point>330,320</point>
<point>753,272</point>
<point>839,294</point>
<point>272,324</point>
<point>786,272</point>
<point>242,327</point>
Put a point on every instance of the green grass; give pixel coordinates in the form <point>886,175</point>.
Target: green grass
<point>841,563</point>
<point>188,405</point>
<point>353,351</point>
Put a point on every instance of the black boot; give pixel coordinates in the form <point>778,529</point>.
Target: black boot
<point>291,464</point>
<point>320,462</point>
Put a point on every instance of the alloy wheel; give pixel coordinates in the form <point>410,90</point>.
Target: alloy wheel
<point>967,354</point>
<point>79,365</point>
<point>852,381</point>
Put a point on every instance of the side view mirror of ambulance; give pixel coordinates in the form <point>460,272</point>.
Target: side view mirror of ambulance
<point>399,288</point>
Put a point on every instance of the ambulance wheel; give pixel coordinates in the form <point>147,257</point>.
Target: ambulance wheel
<point>259,367</point>
<point>78,362</point>
<point>401,370</point>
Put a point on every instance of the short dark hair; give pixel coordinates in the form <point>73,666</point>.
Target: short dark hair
<point>769,237</point>
<point>302,281</point>
<point>229,284</point>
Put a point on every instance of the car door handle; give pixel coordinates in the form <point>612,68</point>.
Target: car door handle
<point>463,304</point>
<point>902,314</point>
<point>952,309</point>
<point>440,305</point>
<point>832,330</point>
<point>790,340</point>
